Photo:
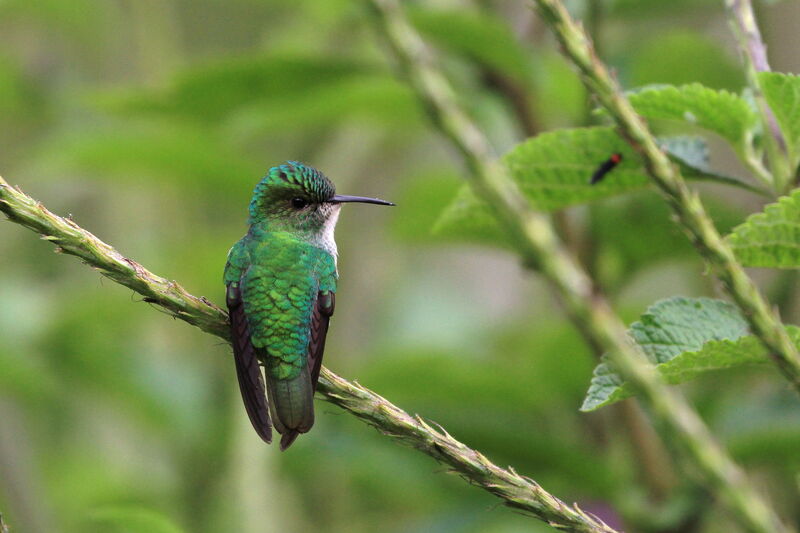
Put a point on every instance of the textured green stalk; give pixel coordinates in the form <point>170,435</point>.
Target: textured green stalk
<point>538,244</point>
<point>686,204</point>
<point>754,55</point>
<point>516,491</point>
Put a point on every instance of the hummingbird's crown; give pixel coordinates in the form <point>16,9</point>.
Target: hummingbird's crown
<point>313,184</point>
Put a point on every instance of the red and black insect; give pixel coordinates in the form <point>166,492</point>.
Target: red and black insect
<point>607,166</point>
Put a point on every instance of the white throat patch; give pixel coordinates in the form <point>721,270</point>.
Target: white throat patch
<point>325,239</point>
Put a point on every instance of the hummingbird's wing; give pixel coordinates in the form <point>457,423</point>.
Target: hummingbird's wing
<point>323,310</point>
<point>251,382</point>
<point>320,317</point>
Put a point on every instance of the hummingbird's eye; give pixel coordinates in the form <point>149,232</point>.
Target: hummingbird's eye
<point>299,202</point>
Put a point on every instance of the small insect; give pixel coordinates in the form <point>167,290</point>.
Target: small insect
<point>607,166</point>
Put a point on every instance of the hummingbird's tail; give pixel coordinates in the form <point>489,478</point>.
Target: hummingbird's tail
<point>292,404</point>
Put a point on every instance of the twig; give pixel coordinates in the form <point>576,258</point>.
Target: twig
<point>686,204</point>
<point>754,55</point>
<point>536,241</point>
<point>516,491</point>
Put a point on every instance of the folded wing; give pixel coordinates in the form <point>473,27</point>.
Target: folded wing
<point>248,372</point>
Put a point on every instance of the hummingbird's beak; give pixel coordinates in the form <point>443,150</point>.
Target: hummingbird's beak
<point>340,199</point>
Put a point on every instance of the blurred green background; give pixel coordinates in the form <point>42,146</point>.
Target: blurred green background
<point>150,122</point>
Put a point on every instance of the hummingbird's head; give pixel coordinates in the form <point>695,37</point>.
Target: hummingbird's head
<point>299,198</point>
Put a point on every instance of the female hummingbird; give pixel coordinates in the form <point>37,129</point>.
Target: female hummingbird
<point>281,284</point>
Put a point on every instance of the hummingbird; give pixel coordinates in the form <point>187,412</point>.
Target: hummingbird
<point>280,283</point>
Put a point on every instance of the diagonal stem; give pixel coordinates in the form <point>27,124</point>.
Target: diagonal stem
<point>516,491</point>
<point>687,205</point>
<point>538,244</point>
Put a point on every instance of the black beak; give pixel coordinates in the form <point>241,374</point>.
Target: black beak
<point>340,199</point>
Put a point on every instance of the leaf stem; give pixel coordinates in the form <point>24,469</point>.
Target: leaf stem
<point>537,243</point>
<point>516,491</point>
<point>754,54</point>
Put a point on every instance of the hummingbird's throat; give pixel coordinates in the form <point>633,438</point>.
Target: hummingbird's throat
<point>324,236</point>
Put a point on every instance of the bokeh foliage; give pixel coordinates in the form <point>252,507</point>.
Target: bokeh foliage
<point>150,122</point>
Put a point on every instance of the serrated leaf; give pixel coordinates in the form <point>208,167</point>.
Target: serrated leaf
<point>782,92</point>
<point>691,150</point>
<point>770,238</point>
<point>684,338</point>
<point>553,171</point>
<point>721,112</point>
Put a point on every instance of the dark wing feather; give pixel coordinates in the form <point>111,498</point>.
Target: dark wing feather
<point>320,316</point>
<point>251,382</point>
<point>323,310</point>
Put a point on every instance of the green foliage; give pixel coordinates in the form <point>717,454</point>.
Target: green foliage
<point>482,38</point>
<point>684,338</point>
<point>553,171</point>
<point>770,238</point>
<point>210,92</point>
<point>151,123</point>
<point>128,519</point>
<point>423,198</point>
<point>782,92</point>
<point>555,81</point>
<point>721,112</point>
<point>153,150</point>
<point>681,57</point>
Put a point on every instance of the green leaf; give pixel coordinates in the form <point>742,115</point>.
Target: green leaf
<point>553,171</point>
<point>770,238</point>
<point>782,92</point>
<point>684,338</point>
<point>481,37</point>
<point>721,112</point>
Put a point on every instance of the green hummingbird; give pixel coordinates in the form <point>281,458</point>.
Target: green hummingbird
<point>281,285</point>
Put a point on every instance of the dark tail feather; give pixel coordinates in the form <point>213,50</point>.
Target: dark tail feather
<point>292,406</point>
<point>288,438</point>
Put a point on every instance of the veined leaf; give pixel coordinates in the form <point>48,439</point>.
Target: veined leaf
<point>553,171</point>
<point>684,338</point>
<point>782,92</point>
<point>721,112</point>
<point>770,238</point>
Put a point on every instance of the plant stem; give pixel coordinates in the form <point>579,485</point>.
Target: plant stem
<point>3,526</point>
<point>754,55</point>
<point>686,204</point>
<point>516,491</point>
<point>537,243</point>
